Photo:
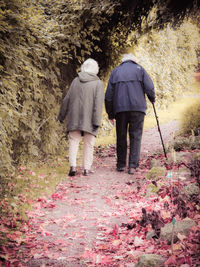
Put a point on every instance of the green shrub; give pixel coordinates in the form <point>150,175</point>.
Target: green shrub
<point>181,142</point>
<point>39,55</point>
<point>195,167</point>
<point>155,173</point>
<point>167,49</point>
<point>197,156</point>
<point>190,119</point>
<point>151,188</point>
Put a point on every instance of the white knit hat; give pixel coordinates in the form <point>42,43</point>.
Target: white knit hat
<point>91,66</point>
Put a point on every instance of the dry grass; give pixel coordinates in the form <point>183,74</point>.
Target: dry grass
<point>175,109</point>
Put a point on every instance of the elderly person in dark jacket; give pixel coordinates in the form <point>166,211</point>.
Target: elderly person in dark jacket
<point>82,106</point>
<point>125,101</point>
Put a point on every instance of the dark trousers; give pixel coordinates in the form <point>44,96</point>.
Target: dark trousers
<point>131,121</point>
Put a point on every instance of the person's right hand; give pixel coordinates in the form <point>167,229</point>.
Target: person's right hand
<point>153,100</point>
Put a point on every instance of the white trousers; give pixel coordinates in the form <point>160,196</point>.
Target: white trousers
<point>88,148</point>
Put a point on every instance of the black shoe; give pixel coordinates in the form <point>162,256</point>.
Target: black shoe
<point>86,172</point>
<point>120,169</point>
<point>72,171</point>
<point>131,170</point>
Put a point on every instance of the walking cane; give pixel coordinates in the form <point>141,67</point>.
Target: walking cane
<point>159,130</point>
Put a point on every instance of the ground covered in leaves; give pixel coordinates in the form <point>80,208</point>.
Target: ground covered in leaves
<point>110,218</point>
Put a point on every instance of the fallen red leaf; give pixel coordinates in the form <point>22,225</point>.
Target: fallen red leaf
<point>171,260</point>
<point>115,231</point>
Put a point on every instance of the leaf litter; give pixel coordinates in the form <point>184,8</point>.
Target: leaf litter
<point>103,220</point>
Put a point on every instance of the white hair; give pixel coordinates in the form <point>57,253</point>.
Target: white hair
<point>91,66</point>
<point>129,56</point>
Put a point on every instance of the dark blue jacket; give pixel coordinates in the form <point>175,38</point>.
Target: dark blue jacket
<point>127,86</point>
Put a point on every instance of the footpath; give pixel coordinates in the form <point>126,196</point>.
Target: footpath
<point>78,218</point>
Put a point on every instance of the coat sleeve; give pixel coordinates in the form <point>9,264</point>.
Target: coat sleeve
<point>109,99</point>
<point>63,108</point>
<point>98,105</point>
<point>65,104</point>
<point>148,87</point>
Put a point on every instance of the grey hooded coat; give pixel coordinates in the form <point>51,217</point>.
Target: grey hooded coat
<point>82,105</point>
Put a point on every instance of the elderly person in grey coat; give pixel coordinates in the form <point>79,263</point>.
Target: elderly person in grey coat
<point>82,108</point>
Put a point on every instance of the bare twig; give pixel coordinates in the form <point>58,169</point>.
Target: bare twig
<point>42,124</point>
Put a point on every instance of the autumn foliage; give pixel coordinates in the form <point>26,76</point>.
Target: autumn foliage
<point>112,223</point>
